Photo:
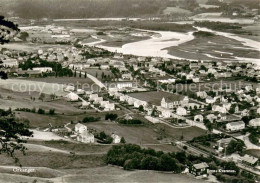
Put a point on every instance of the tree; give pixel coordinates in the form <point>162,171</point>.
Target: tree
<point>80,74</point>
<point>141,108</point>
<point>53,96</point>
<point>41,111</point>
<point>8,30</point>
<point>24,36</point>
<point>235,146</point>
<point>52,111</point>
<point>85,76</point>
<point>122,140</point>
<point>42,96</point>
<point>11,133</point>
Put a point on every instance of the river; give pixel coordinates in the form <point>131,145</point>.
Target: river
<point>156,45</point>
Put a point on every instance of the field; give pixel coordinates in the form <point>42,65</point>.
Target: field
<point>176,10</point>
<point>108,174</point>
<point>21,85</point>
<point>14,100</point>
<point>55,160</point>
<point>154,97</point>
<point>78,82</point>
<point>132,134</point>
<point>177,133</point>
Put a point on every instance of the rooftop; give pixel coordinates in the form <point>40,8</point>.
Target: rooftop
<point>201,165</point>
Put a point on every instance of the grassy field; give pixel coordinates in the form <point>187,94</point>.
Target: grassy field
<point>176,10</point>
<point>74,147</point>
<point>75,81</point>
<point>154,97</point>
<point>55,160</point>
<point>98,72</point>
<point>177,133</point>
<point>11,99</point>
<point>24,85</point>
<point>132,134</point>
<point>103,174</point>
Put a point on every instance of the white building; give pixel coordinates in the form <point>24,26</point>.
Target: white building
<point>98,100</point>
<point>181,111</point>
<point>10,63</point>
<point>139,103</point>
<point>116,138</point>
<point>219,109</point>
<point>69,88</point>
<point>166,113</point>
<point>110,107</point>
<point>198,118</point>
<point>80,128</point>
<point>210,100</point>
<point>92,97</point>
<point>72,97</point>
<point>202,94</point>
<point>86,137</point>
<point>254,122</point>
<point>235,126</point>
<point>42,69</point>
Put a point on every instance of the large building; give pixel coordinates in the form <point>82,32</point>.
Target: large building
<point>174,101</point>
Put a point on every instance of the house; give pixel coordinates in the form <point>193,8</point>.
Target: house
<point>80,128</point>
<point>210,100</point>
<point>254,122</point>
<point>196,79</point>
<point>258,111</point>
<point>104,103</point>
<point>98,100</point>
<point>109,107</point>
<point>139,103</point>
<point>249,160</point>
<point>211,117</point>
<point>42,69</point>
<point>173,101</point>
<point>86,137</point>
<point>69,88</point>
<point>199,169</point>
<point>235,126</point>
<point>80,91</point>
<point>223,143</point>
<point>181,111</point>
<point>219,109</point>
<point>84,104</point>
<point>166,113</point>
<point>222,117</point>
<point>10,63</point>
<point>202,94</point>
<point>226,105</point>
<point>104,66</point>
<point>116,138</point>
<point>72,97</point>
<point>198,118</point>
<point>92,97</point>
<point>127,76</point>
<point>120,85</point>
